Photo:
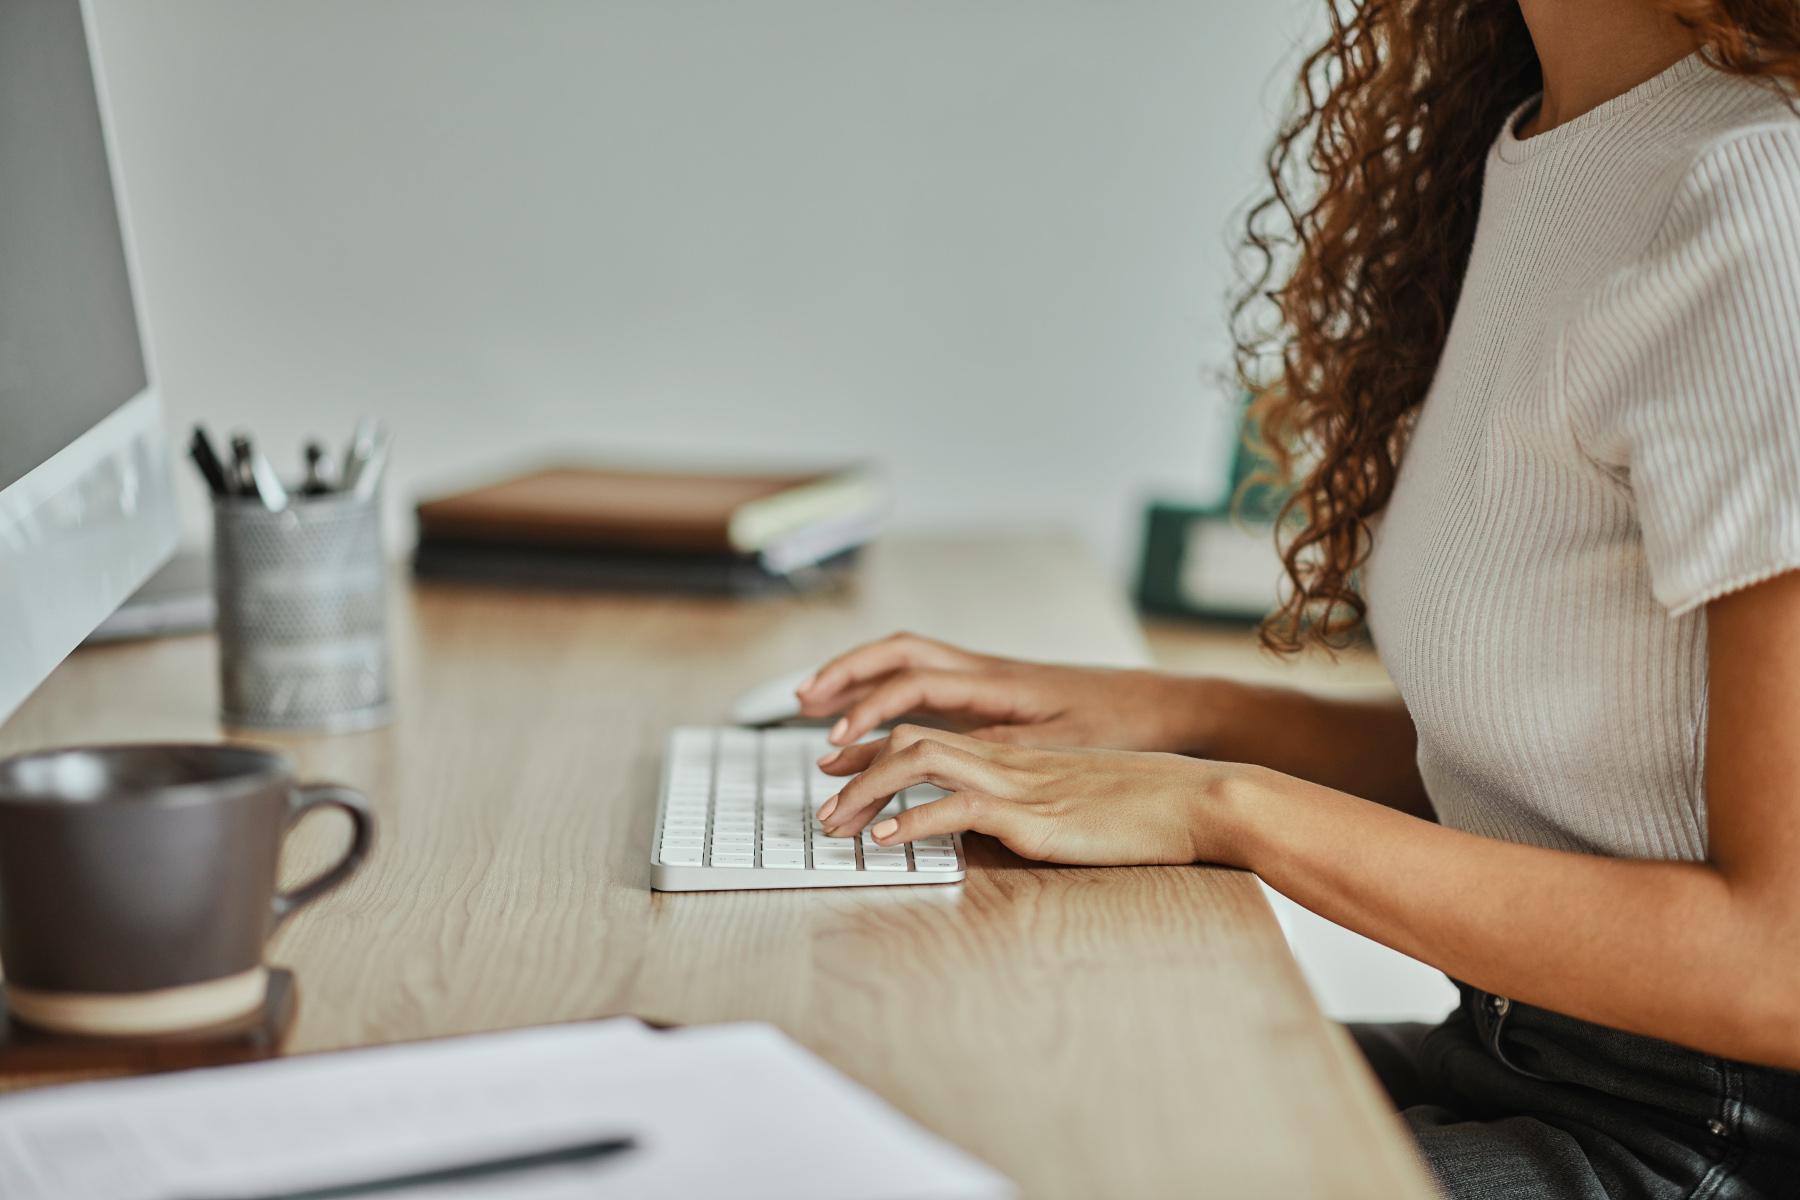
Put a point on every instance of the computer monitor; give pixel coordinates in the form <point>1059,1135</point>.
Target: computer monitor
<point>87,505</point>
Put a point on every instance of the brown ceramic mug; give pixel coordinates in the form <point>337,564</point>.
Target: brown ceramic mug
<point>138,883</point>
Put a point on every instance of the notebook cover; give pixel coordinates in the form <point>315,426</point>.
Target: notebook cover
<point>567,569</point>
<point>602,506</point>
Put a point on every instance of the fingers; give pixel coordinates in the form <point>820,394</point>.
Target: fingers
<point>959,812</point>
<point>909,691</point>
<point>852,760</point>
<point>869,662</point>
<point>911,756</point>
<point>855,758</point>
<point>836,703</point>
<point>1044,733</point>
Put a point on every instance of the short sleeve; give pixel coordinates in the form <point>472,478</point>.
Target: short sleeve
<point>1684,374</point>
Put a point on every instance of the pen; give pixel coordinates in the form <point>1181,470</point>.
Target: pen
<point>317,471</point>
<point>362,444</point>
<point>200,448</point>
<point>243,479</point>
<point>368,477</point>
<point>266,484</point>
<point>580,1152</point>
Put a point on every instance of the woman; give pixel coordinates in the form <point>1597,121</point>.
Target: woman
<point>1536,362</point>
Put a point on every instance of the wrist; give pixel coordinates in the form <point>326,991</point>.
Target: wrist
<point>1225,818</point>
<point>1200,709</point>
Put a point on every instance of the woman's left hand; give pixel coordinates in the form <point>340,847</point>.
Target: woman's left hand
<point>1093,807</point>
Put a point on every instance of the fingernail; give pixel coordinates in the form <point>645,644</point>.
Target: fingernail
<point>829,807</point>
<point>841,729</point>
<point>885,830</point>
<point>805,685</point>
<point>825,760</point>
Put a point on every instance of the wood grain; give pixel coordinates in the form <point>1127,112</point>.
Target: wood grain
<point>1124,1032</point>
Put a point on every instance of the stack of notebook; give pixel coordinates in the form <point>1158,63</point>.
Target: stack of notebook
<point>612,527</point>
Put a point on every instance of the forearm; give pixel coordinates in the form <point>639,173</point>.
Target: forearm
<point>1668,950</point>
<point>1363,747</point>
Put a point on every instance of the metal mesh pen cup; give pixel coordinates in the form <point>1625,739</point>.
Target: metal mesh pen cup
<point>302,599</point>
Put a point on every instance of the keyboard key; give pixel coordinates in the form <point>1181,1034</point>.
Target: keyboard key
<point>935,864</point>
<point>680,856</point>
<point>733,860</point>
<point>834,863</point>
<point>884,862</point>
<point>784,859</point>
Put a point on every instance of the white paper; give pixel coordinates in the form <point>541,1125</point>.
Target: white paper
<point>1230,568</point>
<point>727,1111</point>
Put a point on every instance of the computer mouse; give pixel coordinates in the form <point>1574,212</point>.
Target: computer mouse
<point>770,703</point>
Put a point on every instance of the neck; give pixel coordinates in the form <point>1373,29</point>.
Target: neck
<point>1593,50</point>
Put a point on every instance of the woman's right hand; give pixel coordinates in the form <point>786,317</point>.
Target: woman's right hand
<point>1003,699</point>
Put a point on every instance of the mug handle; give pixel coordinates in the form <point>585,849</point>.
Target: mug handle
<point>302,800</point>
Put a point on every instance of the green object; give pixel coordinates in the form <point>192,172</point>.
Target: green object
<point>1258,502</point>
<point>1171,579</point>
<point>1166,533</point>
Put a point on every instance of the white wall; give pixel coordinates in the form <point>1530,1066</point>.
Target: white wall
<point>985,243</point>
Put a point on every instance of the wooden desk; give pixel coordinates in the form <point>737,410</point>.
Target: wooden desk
<point>1201,648</point>
<point>1123,1032</point>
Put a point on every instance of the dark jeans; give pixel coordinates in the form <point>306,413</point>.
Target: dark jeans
<point>1507,1100</point>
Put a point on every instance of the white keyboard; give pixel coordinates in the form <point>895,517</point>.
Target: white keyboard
<point>737,808</point>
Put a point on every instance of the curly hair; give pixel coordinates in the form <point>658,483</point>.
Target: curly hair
<point>1357,254</point>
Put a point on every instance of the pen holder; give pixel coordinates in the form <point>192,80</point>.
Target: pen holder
<point>302,600</point>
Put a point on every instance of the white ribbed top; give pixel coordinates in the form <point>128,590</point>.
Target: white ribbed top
<point>1612,439</point>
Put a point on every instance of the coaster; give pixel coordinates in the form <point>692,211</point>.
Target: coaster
<point>31,1057</point>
